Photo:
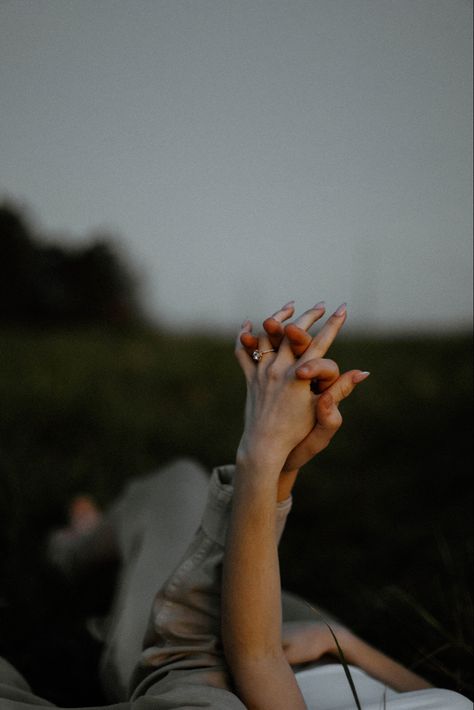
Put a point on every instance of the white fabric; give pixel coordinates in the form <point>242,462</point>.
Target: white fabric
<point>327,688</point>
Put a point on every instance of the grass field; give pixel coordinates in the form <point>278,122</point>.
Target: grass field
<point>381,529</point>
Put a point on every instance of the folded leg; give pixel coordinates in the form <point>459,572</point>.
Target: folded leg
<point>153,523</point>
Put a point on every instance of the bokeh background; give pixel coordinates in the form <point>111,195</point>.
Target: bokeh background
<point>172,167</point>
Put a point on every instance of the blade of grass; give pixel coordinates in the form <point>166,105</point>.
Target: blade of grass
<point>342,658</point>
<point>346,668</point>
<point>404,596</point>
<point>427,616</point>
<point>432,654</point>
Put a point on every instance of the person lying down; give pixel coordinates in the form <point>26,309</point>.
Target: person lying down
<point>221,634</point>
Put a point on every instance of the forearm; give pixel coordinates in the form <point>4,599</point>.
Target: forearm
<point>251,594</point>
<point>380,666</point>
<point>285,426</point>
<point>251,579</point>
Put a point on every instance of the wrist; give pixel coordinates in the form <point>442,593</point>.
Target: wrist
<point>261,459</point>
<point>256,468</point>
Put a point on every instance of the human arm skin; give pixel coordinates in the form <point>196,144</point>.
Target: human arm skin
<point>304,642</point>
<point>251,596</point>
<point>281,411</point>
<point>313,366</point>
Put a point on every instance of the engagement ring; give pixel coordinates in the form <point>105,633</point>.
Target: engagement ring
<point>257,354</point>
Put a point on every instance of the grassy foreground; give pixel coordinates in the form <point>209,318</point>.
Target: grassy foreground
<point>380,534</point>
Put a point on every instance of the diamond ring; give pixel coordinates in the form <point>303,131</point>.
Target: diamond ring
<point>257,354</point>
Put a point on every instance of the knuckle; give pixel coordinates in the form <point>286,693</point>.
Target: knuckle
<point>297,349</point>
<point>273,372</point>
<point>335,422</point>
<point>270,323</point>
<point>326,400</point>
<point>332,365</point>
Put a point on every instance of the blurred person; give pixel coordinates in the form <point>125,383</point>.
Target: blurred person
<point>221,634</point>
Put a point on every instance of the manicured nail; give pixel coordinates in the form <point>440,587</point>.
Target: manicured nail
<point>245,324</point>
<point>341,310</point>
<point>319,306</point>
<point>288,305</point>
<point>360,377</point>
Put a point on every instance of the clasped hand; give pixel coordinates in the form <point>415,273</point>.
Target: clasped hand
<point>293,391</point>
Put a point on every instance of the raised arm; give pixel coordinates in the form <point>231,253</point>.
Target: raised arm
<point>282,411</point>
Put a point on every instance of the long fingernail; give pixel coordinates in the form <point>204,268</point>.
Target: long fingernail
<point>288,305</point>
<point>319,306</point>
<point>245,324</point>
<point>360,377</point>
<point>341,310</point>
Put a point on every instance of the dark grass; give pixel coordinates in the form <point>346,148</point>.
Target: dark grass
<point>380,534</point>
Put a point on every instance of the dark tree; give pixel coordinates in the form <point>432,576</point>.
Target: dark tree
<point>42,282</point>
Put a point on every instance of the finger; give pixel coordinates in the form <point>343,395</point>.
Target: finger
<point>266,349</point>
<point>241,352</point>
<point>273,324</point>
<point>329,418</point>
<point>284,312</point>
<point>247,338</point>
<point>274,330</point>
<point>326,336</point>
<point>249,341</point>
<point>296,343</point>
<point>344,386</point>
<point>309,317</point>
<point>324,371</point>
<point>298,339</point>
<point>265,344</point>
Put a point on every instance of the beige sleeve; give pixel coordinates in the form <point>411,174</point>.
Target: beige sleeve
<point>183,660</point>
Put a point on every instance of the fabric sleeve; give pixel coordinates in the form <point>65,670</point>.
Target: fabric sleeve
<point>182,664</point>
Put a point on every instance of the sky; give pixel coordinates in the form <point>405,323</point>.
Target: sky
<point>247,152</point>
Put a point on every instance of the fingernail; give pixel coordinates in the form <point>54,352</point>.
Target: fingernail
<point>341,310</point>
<point>360,377</point>
<point>319,306</point>
<point>288,305</point>
<point>245,324</point>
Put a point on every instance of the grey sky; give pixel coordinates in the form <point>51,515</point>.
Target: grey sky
<point>252,151</point>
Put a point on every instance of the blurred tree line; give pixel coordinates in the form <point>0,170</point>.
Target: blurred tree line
<point>43,282</point>
<point>381,529</point>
